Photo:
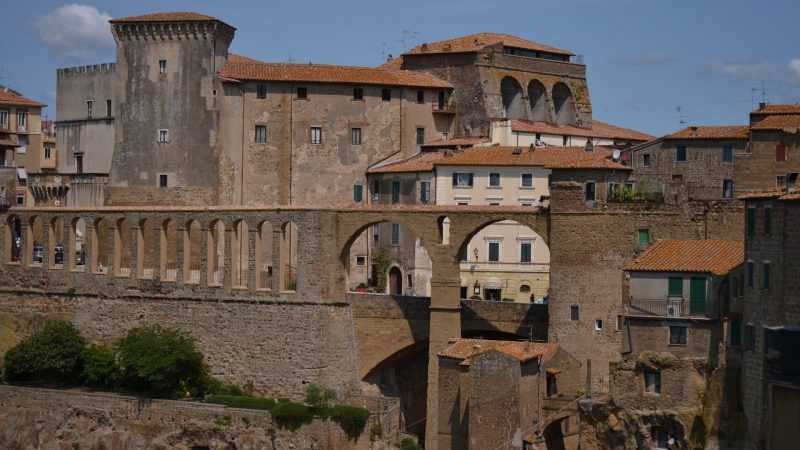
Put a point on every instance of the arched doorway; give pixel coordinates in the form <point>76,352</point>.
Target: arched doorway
<point>395,281</point>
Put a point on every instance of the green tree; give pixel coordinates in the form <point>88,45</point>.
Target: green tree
<point>100,368</point>
<point>52,355</point>
<point>381,263</point>
<point>161,362</point>
<point>319,397</point>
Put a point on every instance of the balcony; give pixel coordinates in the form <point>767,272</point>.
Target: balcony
<point>667,307</point>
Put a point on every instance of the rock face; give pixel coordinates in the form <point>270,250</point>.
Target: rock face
<point>51,419</point>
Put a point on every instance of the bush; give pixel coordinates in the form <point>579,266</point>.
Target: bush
<point>215,386</point>
<point>100,368</point>
<point>319,397</point>
<point>52,355</point>
<point>160,362</point>
<point>352,419</point>
<point>409,444</point>
<point>241,401</point>
<point>292,415</point>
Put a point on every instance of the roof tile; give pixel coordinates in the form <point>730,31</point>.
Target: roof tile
<point>465,349</point>
<point>712,132</point>
<point>706,256</point>
<point>10,97</point>
<point>778,122</point>
<point>597,130</point>
<point>479,41</point>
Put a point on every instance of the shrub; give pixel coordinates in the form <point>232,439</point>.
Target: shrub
<point>319,397</point>
<point>240,401</point>
<point>409,444</point>
<point>381,262</point>
<point>54,355</point>
<point>375,432</point>
<point>292,415</point>
<point>100,368</point>
<point>352,419</point>
<point>215,386</point>
<point>160,362</point>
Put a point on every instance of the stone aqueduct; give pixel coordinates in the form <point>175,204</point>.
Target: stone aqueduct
<point>379,326</point>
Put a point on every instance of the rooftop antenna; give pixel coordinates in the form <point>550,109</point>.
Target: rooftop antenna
<point>407,39</point>
<point>384,51</point>
<point>681,117</point>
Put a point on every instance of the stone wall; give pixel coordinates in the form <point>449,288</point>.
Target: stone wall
<point>44,418</point>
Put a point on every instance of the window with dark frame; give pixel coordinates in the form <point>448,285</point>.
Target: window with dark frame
<point>590,191</point>
<point>162,66</point>
<point>646,160</point>
<point>727,153</point>
<point>302,93</point>
<point>441,100</point>
<point>395,192</point>
<point>767,221</point>
<point>780,181</point>
<point>420,96</point>
<point>552,386</point>
<point>644,236</point>
<point>395,234</point>
<point>780,152</point>
<point>736,333</point>
<point>675,287</point>
<point>162,180</point>
<point>108,108</point>
<point>420,136</point>
<point>361,260</point>
<point>358,193</point>
<point>765,275</point>
<point>355,136</point>
<point>526,180</point>
<point>494,251</point>
<point>89,105</point>
<point>462,179</point>
<point>574,312</point>
<point>316,135</point>
<point>386,94</point>
<point>750,222</point>
<point>680,153</point>
<point>261,90</point>
<point>678,335</point>
<point>358,93</point>
<point>727,188</point>
<point>525,251</point>
<point>751,275</point>
<point>261,134</point>
<point>494,179</point>
<point>163,136</point>
<point>749,337</point>
<point>652,381</point>
<point>425,191</point>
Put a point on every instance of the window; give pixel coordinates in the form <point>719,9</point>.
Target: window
<point>494,180</point>
<point>162,66</point>
<point>79,163</point>
<point>526,180</point>
<point>410,280</point>
<point>358,93</point>
<point>440,103</point>
<point>749,337</point>
<point>525,251</point>
<point>644,236</point>
<point>727,153</point>
<point>574,312</point>
<point>780,180</point>
<point>386,94</point>
<point>552,386</point>
<point>598,324</point>
<point>765,275</point>
<point>261,134</point>
<point>590,191</point>
<point>22,120</point>
<point>361,260</point>
<point>261,90</point>
<point>736,333</point>
<point>20,199</point>
<point>751,275</point>
<point>612,190</point>
<point>48,152</point>
<point>355,136</point>
<point>680,153</point>
<point>395,192</point>
<point>524,288</point>
<point>425,192</point>
<point>4,119</point>
<point>620,322</point>
<point>462,179</point>
<point>675,288</point>
<point>677,335</point>
<point>89,105</point>
<point>302,93</point>
<point>677,178</point>
<point>652,381</point>
<point>697,295</point>
<point>463,292</point>
<point>162,180</point>
<point>494,251</point>
<point>376,189</point>
<point>420,96</point>
<point>376,233</point>
<point>420,136</point>
<point>565,140</point>
<point>163,136</point>
<point>780,151</point>
<point>395,234</point>
<point>108,108</point>
<point>646,160</point>
<point>316,135</point>
<point>727,188</point>
<point>750,222</point>
<point>358,193</point>
<point>767,221</point>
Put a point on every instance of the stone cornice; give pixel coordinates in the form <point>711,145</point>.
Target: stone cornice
<point>165,31</point>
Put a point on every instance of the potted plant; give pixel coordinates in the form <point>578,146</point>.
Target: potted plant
<point>362,287</point>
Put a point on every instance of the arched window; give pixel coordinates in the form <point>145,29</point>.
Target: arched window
<point>537,97</point>
<point>564,104</point>
<point>511,93</point>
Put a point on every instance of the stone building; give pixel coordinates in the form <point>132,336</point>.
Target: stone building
<point>493,392</point>
<point>523,133</point>
<point>21,146</point>
<point>774,150</point>
<point>770,334</point>
<point>696,162</point>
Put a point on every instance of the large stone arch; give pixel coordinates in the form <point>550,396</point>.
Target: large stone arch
<point>512,96</point>
<point>538,102</point>
<point>563,104</point>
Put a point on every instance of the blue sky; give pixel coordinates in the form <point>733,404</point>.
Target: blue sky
<point>645,58</point>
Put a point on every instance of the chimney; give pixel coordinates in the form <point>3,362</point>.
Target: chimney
<point>762,106</point>
<point>389,57</point>
<point>693,130</point>
<point>589,145</point>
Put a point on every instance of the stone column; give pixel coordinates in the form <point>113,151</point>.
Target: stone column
<point>159,250</point>
<point>133,249</point>
<point>27,243</point>
<point>90,242</point>
<point>227,271</point>
<point>116,260</point>
<point>204,254</point>
<point>252,239</point>
<point>277,270</point>
<point>46,241</point>
<point>69,244</point>
<point>180,259</point>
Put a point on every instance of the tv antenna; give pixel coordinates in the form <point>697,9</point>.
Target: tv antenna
<point>681,117</point>
<point>762,90</point>
<point>407,39</point>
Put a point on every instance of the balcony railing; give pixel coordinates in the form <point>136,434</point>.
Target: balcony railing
<point>664,307</point>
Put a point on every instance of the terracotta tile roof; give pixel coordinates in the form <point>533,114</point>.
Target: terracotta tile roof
<point>10,97</point>
<point>166,17</point>
<point>712,132</point>
<point>242,68</point>
<point>778,122</point>
<point>457,142</point>
<point>465,349</point>
<point>394,64</point>
<point>597,130</point>
<point>547,157</point>
<point>763,195</point>
<point>778,109</point>
<point>706,256</point>
<point>479,41</point>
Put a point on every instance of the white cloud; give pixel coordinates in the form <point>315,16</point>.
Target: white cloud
<point>748,70</point>
<point>647,59</point>
<point>75,31</point>
<point>794,66</point>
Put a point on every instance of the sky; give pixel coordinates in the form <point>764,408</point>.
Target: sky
<point>651,64</point>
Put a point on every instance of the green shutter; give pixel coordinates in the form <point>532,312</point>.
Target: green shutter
<point>675,287</point>
<point>697,296</point>
<point>736,332</point>
<point>751,222</point>
<point>644,237</point>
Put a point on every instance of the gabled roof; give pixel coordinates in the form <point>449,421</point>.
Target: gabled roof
<point>243,68</point>
<point>495,156</point>
<point>712,132</point>
<point>457,142</point>
<point>778,109</point>
<point>523,351</point>
<point>703,256</point>
<point>479,41</point>
<point>166,17</point>
<point>778,122</point>
<point>11,97</point>
<point>770,195</point>
<point>598,129</point>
